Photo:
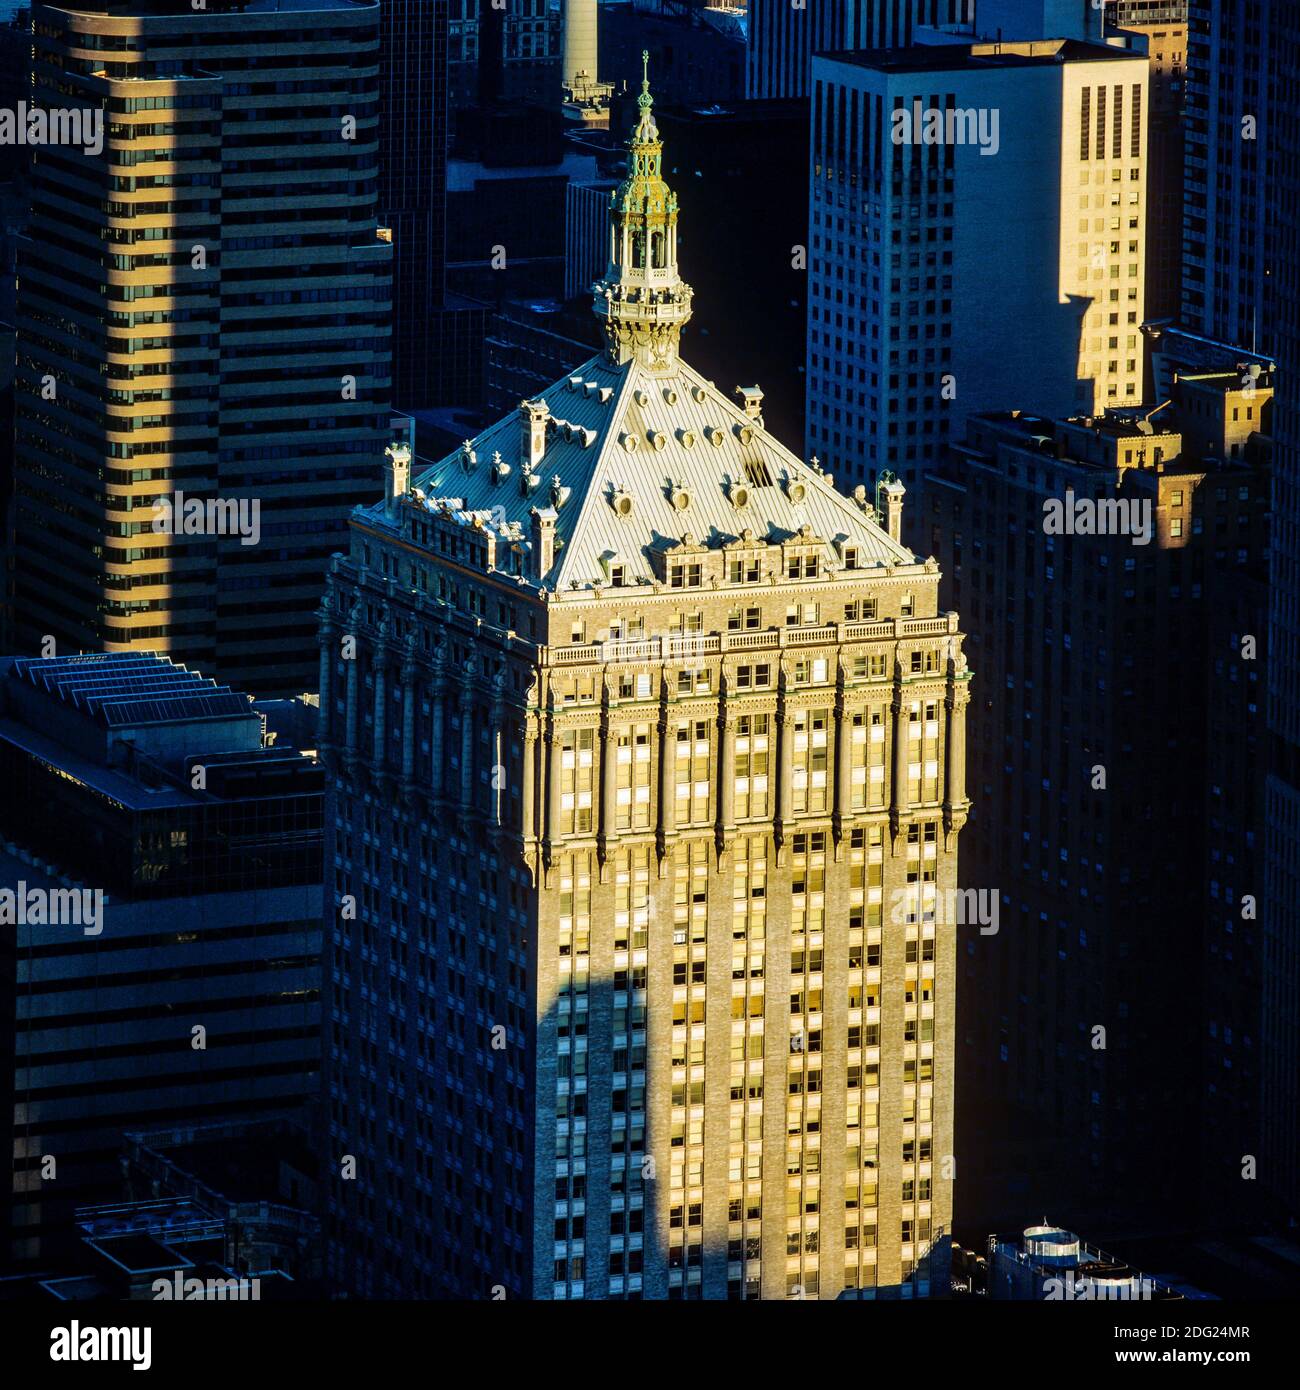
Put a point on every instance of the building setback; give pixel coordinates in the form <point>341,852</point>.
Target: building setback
<point>204,308</point>
<point>928,164</point>
<point>205,843</point>
<point>646,751</point>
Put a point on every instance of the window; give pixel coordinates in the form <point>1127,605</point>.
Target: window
<point>860,610</point>
<point>684,574</point>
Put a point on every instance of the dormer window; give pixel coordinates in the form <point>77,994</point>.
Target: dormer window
<point>805,566</point>
<point>684,574</point>
<point>744,569</point>
<point>850,557</point>
<point>757,472</point>
<point>617,576</point>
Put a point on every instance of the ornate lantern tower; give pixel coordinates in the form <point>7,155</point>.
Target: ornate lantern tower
<point>642,300</point>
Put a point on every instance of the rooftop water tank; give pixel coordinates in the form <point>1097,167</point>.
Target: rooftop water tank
<point>1051,1245</point>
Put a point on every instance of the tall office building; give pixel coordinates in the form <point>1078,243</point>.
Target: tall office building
<point>160,963</point>
<point>1282,919</point>
<point>647,757</point>
<point>1163,25</point>
<point>1228,261</point>
<point>783,37</point>
<point>413,186</point>
<point>928,165</point>
<point>1112,1026</point>
<point>204,310</point>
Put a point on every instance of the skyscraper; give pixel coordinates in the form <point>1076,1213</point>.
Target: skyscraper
<point>647,776</point>
<point>204,310</point>
<point>783,37</point>
<point>1282,804</point>
<point>1112,1026</point>
<point>928,164</point>
<point>413,186</point>
<point>1163,23</point>
<point>1228,261</point>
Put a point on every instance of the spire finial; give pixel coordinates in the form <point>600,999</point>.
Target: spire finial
<point>645,101</point>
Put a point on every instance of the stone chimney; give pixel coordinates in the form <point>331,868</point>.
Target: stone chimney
<point>543,537</point>
<point>893,492</point>
<point>397,474</point>
<point>532,429</point>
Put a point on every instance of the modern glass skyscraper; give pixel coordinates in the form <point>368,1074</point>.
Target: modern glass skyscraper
<point>204,310</point>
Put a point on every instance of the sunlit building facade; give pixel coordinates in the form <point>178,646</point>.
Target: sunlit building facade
<point>203,309</point>
<point>648,776</point>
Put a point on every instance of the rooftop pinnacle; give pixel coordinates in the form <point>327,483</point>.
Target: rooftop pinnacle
<point>642,299</point>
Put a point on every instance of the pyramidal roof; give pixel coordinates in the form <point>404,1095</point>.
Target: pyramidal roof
<point>634,451</point>
<point>639,459</point>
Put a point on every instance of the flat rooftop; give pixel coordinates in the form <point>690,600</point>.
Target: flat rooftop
<point>977,57</point>
<point>151,9</point>
<point>129,688</point>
